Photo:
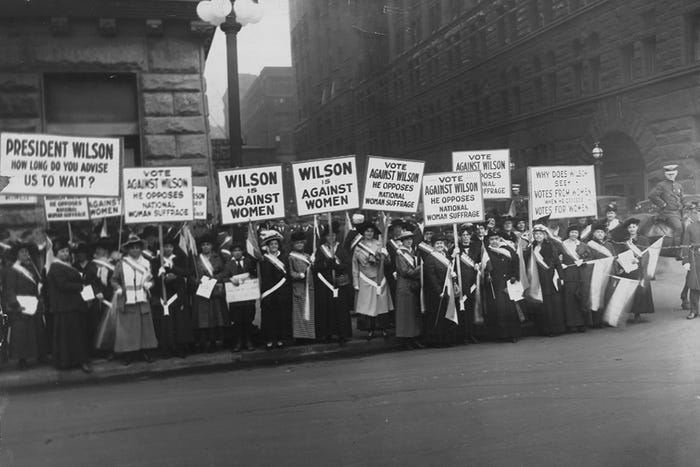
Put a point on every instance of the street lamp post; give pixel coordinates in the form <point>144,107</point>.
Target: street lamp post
<point>597,154</point>
<point>231,17</point>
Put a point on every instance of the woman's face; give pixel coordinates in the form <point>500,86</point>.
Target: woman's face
<point>538,236</point>
<point>439,245</point>
<point>135,250</point>
<point>273,246</point>
<point>494,241</point>
<point>206,248</point>
<point>168,249</point>
<point>599,235</point>
<point>23,256</point>
<point>632,229</point>
<point>573,234</point>
<point>63,254</point>
<point>299,246</point>
<point>368,234</point>
<point>407,242</point>
<point>466,238</point>
<point>331,238</point>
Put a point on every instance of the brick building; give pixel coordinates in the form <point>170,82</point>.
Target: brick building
<point>269,112</point>
<point>546,78</point>
<point>131,69</point>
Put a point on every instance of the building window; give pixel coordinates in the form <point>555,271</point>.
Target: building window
<point>626,60</point>
<point>512,24</point>
<point>695,37</point>
<point>435,15</point>
<point>649,47</point>
<point>534,15</point>
<point>501,26</point>
<point>594,64</point>
<point>456,6</point>
<point>574,5</point>
<point>94,104</point>
<point>551,78</point>
<point>577,70</point>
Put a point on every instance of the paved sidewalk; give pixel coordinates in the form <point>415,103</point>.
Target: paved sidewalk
<point>45,376</point>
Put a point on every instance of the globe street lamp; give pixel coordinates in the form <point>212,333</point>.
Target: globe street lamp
<point>597,154</point>
<point>231,17</point>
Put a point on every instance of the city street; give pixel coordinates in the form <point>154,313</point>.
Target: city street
<point>608,397</point>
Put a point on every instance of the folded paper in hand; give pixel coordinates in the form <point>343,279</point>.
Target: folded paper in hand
<point>206,287</point>
<point>516,292</point>
<point>87,293</point>
<point>29,304</point>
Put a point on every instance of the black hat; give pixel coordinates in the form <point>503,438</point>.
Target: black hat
<point>335,225</point>
<point>612,207</point>
<point>133,240</point>
<point>404,235</point>
<point>206,238</point>
<point>575,227</point>
<point>82,248</point>
<point>492,233</point>
<point>600,225</point>
<point>362,228</point>
<point>631,220</point>
<point>437,237</point>
<point>469,228</point>
<point>298,236</point>
<point>106,243</point>
<point>542,220</point>
<point>59,244</point>
<point>237,244</point>
<point>170,239</point>
<point>29,246</point>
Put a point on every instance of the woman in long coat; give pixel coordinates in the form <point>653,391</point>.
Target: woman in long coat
<point>502,267</point>
<point>372,298</point>
<point>600,247</point>
<point>210,315</point>
<point>408,314</point>
<point>132,282</point>
<point>301,273</point>
<point>542,260</point>
<point>574,253</point>
<point>334,293</point>
<point>469,270</point>
<point>26,326</point>
<point>643,300</point>
<point>70,343</point>
<point>275,295</point>
<point>439,330</point>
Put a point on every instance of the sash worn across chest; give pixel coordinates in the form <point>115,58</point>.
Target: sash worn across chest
<point>301,257</point>
<point>501,251</point>
<point>410,259</point>
<point>17,266</point>
<point>207,265</point>
<point>599,248</point>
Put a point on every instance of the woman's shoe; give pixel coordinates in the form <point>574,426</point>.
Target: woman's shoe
<point>147,357</point>
<point>280,344</point>
<point>86,367</point>
<point>691,315</point>
<point>269,346</point>
<point>370,335</point>
<point>384,334</point>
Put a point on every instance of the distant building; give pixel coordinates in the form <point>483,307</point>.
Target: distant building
<point>269,112</point>
<point>130,69</point>
<point>545,78</point>
<point>220,126</point>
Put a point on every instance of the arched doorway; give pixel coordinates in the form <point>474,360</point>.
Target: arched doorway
<point>623,169</point>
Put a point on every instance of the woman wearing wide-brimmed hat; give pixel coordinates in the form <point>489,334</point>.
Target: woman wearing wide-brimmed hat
<point>275,299</point>
<point>210,315</point>
<point>372,298</point>
<point>132,281</point>
<point>70,342</point>
<point>26,325</point>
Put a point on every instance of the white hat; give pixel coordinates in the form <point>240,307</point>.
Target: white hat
<point>670,167</point>
<point>358,219</point>
<point>267,236</point>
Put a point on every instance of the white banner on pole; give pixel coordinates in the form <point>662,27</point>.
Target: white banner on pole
<point>199,197</point>
<point>562,191</point>
<point>392,184</point>
<point>251,194</point>
<point>66,208</point>
<point>157,194</point>
<point>494,165</point>
<point>40,164</point>
<point>105,207</point>
<point>452,198</point>
<point>326,185</point>
<point>18,199</point>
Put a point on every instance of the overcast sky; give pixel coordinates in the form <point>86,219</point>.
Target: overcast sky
<point>266,43</point>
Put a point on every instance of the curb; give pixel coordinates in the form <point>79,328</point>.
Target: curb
<point>47,377</point>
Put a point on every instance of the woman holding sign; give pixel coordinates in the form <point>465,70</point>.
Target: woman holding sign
<point>25,307</point>
<point>372,297</point>
<point>208,303</point>
<point>132,281</point>
<point>275,296</point>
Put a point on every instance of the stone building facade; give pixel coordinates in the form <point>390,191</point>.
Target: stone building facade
<point>545,78</point>
<point>131,69</point>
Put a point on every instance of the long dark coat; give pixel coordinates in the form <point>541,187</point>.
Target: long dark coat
<point>438,329</point>
<point>333,314</point>
<point>691,255</point>
<point>176,327</point>
<point>575,312</point>
<point>550,314</point>
<point>26,332</point>
<point>208,313</point>
<point>408,315</point>
<point>502,316</point>
<point>275,308</point>
<point>469,274</point>
<point>70,343</point>
<point>643,299</point>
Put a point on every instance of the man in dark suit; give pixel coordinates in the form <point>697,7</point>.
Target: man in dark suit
<point>667,195</point>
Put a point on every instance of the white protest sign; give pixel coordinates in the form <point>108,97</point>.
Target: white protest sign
<point>452,198</point>
<point>18,199</point>
<point>199,198</point>
<point>494,165</point>
<point>326,185</point>
<point>251,194</point>
<point>157,194</point>
<point>60,165</point>
<point>392,184</point>
<point>562,191</point>
<point>65,208</point>
<point>105,207</point>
